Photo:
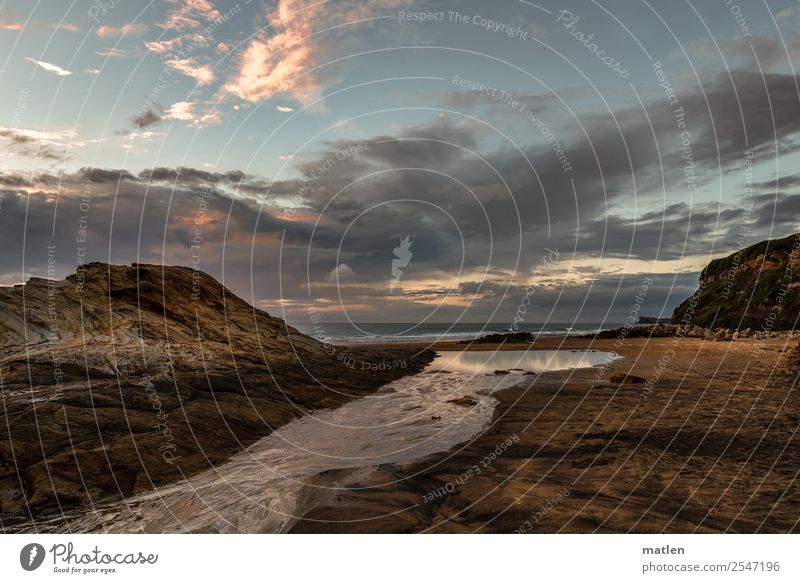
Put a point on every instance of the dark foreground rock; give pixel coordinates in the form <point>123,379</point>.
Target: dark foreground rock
<point>119,379</point>
<point>689,331</point>
<point>509,338</point>
<point>464,401</point>
<point>623,379</point>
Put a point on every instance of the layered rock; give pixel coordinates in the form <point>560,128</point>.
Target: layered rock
<point>119,379</point>
<point>757,287</point>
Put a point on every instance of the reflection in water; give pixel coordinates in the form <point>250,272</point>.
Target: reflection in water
<point>484,362</point>
<point>259,490</point>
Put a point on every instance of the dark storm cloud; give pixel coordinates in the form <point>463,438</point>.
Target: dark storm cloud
<point>126,217</point>
<point>497,100</point>
<point>726,117</point>
<point>764,52</point>
<point>733,115</point>
<point>682,230</point>
<point>13,180</point>
<point>778,213</point>
<point>483,231</point>
<point>146,119</point>
<point>131,218</point>
<point>193,177</point>
<point>749,112</point>
<point>481,220</point>
<point>610,298</point>
<point>98,176</point>
<point>463,207</point>
<point>512,190</point>
<point>678,231</point>
<point>605,298</point>
<point>782,182</point>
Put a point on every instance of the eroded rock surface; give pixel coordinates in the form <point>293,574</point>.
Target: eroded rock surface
<point>121,378</point>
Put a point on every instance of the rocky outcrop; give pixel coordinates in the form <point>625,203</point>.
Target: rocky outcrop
<point>119,379</point>
<point>689,331</point>
<point>653,320</point>
<point>505,338</point>
<point>757,287</point>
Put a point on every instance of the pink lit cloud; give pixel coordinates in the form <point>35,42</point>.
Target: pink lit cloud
<point>191,68</point>
<point>125,29</point>
<point>281,59</point>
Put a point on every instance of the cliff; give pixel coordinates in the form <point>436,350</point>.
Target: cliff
<point>757,287</point>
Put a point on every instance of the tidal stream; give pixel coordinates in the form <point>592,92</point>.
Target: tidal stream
<point>258,490</point>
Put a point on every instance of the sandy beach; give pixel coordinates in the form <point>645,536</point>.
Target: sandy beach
<point>704,440</point>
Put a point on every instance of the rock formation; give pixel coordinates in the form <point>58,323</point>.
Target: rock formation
<point>119,379</point>
<point>757,287</point>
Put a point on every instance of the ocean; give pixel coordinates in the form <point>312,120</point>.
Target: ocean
<point>372,333</point>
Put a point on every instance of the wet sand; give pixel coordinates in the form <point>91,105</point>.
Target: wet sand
<point>708,443</point>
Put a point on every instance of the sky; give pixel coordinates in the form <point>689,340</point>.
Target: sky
<point>397,161</point>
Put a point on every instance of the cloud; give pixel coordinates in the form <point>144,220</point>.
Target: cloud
<point>68,26</point>
<point>146,135</point>
<point>765,52</point>
<point>7,23</point>
<point>116,53</point>
<point>188,41</point>
<point>164,46</point>
<point>285,109</point>
<point>538,102</point>
<point>282,61</point>
<point>202,74</point>
<point>600,268</point>
<point>182,110</point>
<point>52,137</point>
<point>146,119</point>
<point>260,79</point>
<point>188,111</point>
<point>92,71</point>
<point>788,181</point>
<point>36,144</point>
<point>509,199</point>
<point>185,19</point>
<point>481,204</point>
<point>188,14</point>
<point>342,272</point>
<point>202,7</point>
<point>166,230</point>
<point>50,68</point>
<point>124,30</point>
<point>137,137</point>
